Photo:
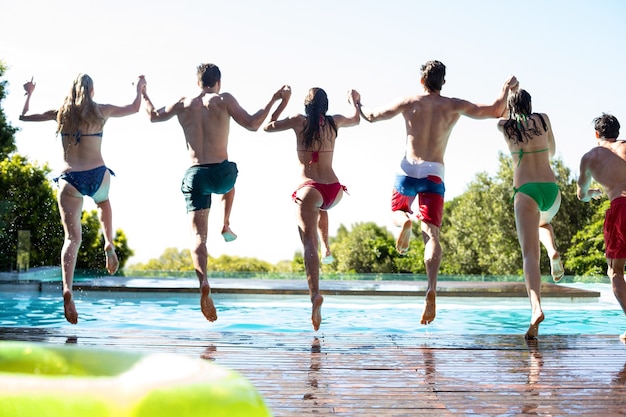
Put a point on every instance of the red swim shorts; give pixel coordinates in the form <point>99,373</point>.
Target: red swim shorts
<point>615,229</point>
<point>430,206</point>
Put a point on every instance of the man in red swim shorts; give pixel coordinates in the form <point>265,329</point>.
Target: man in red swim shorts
<point>429,120</point>
<point>606,163</point>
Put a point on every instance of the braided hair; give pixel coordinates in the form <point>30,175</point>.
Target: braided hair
<point>315,108</point>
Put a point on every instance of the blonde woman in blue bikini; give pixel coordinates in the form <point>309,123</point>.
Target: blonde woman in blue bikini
<point>536,197</point>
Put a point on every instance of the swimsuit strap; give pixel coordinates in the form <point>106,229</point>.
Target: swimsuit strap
<point>521,153</point>
<point>315,155</point>
<point>78,135</point>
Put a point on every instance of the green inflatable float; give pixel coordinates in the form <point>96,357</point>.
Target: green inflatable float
<point>42,380</point>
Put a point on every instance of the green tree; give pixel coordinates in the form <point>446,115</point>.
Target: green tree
<point>29,204</point>
<point>227,263</point>
<point>369,248</point>
<point>478,232</point>
<point>172,259</point>
<point>585,256</point>
<point>7,132</point>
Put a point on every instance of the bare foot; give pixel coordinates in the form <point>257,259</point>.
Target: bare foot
<point>206,303</point>
<point>622,337</point>
<point>402,244</point>
<point>71,315</point>
<point>533,329</point>
<point>228,234</point>
<point>112,263</point>
<point>430,307</point>
<point>556,268</point>
<point>316,311</point>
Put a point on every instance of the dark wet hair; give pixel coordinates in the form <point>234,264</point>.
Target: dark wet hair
<point>315,108</point>
<point>607,126</point>
<point>520,127</point>
<point>434,75</point>
<point>209,74</point>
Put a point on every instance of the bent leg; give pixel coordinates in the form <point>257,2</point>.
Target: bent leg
<point>309,201</point>
<point>432,261</point>
<point>322,228</point>
<point>547,238</point>
<point>105,215</point>
<point>227,205</point>
<point>70,203</point>
<point>527,221</point>
<point>199,255</point>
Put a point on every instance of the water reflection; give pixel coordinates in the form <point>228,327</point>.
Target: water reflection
<point>314,369</point>
<point>533,390</point>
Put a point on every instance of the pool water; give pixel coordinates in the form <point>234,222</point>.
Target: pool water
<point>291,313</point>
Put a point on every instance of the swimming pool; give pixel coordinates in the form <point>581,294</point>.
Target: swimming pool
<point>291,313</point>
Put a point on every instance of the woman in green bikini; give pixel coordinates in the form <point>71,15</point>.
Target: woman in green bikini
<point>536,197</point>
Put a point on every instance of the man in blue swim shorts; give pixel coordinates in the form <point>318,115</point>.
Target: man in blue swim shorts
<point>429,120</point>
<point>205,121</point>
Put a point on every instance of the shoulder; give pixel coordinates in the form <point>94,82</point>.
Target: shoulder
<point>455,103</point>
<point>593,154</point>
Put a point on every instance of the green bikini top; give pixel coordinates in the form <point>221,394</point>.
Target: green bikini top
<point>521,153</point>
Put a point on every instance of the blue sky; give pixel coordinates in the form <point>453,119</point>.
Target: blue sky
<point>570,55</point>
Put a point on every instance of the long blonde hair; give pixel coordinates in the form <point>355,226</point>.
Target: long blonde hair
<point>79,109</point>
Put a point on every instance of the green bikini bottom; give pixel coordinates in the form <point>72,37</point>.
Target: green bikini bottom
<point>544,193</point>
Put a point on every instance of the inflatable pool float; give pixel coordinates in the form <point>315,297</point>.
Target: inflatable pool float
<point>42,380</point>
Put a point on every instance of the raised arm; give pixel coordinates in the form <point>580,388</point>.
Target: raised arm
<point>345,121</point>
<point>253,121</point>
<point>494,110</point>
<point>286,95</point>
<point>164,113</point>
<point>384,113</point>
<point>110,110</point>
<point>29,87</point>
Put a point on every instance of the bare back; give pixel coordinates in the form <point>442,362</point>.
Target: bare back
<point>429,120</point>
<point>205,120</point>
<point>82,153</point>
<point>317,165</point>
<point>606,163</point>
<point>531,159</point>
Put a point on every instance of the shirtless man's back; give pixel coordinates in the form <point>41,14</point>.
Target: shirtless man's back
<point>606,164</point>
<point>205,120</point>
<point>429,119</point>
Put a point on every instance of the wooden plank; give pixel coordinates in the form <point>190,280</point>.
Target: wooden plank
<point>304,374</point>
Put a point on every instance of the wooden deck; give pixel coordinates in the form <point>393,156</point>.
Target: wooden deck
<point>321,374</point>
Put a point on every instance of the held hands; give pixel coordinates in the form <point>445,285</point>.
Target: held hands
<point>283,93</point>
<point>29,87</point>
<point>512,84</point>
<point>354,97</point>
<point>141,85</point>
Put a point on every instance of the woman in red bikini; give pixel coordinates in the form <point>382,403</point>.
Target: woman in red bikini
<point>319,188</point>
